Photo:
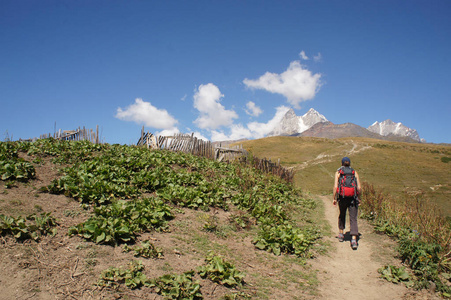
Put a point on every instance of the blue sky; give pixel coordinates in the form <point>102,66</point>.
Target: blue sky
<point>222,69</point>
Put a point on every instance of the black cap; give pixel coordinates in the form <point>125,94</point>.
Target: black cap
<point>345,159</point>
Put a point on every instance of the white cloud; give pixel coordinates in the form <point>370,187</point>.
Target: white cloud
<point>212,114</point>
<point>197,134</point>
<point>219,136</point>
<point>303,56</point>
<point>296,83</point>
<point>252,109</point>
<point>318,57</point>
<point>200,136</point>
<point>168,132</point>
<point>253,130</point>
<point>142,112</point>
<point>259,130</point>
<point>237,132</point>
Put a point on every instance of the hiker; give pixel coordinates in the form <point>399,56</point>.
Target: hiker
<point>346,191</point>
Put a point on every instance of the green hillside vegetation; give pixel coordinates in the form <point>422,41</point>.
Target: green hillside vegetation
<point>395,167</point>
<point>165,223</point>
<point>111,219</point>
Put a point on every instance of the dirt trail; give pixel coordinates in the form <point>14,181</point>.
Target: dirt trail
<point>352,274</point>
<point>349,274</point>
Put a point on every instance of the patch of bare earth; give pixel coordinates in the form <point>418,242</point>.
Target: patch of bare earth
<point>352,274</point>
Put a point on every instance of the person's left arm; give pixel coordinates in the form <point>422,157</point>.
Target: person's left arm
<point>337,175</point>
<point>359,187</point>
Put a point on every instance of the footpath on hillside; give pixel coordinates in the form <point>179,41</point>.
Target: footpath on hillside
<point>352,274</point>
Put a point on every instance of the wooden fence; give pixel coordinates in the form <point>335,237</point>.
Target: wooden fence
<point>190,144</point>
<point>80,134</point>
<point>179,142</point>
<point>269,167</point>
<point>230,154</point>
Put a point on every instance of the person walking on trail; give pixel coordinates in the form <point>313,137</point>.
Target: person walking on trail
<point>346,192</point>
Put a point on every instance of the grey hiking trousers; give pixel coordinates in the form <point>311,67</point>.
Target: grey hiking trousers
<point>351,204</point>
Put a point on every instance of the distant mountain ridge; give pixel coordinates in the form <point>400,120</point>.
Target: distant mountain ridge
<point>388,127</point>
<point>314,124</point>
<point>331,130</point>
<point>335,131</point>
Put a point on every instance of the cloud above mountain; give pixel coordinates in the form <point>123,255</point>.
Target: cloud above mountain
<point>252,109</point>
<point>219,122</point>
<point>212,113</point>
<point>297,84</point>
<point>260,130</point>
<point>142,112</point>
<point>252,130</point>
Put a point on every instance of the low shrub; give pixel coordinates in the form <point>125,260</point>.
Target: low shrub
<point>132,277</point>
<point>395,274</point>
<point>285,238</point>
<point>32,227</point>
<point>12,167</point>
<point>121,221</point>
<point>146,250</point>
<point>177,286</point>
<point>220,271</point>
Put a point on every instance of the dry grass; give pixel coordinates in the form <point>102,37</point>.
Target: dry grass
<point>423,234</point>
<point>395,167</point>
<point>412,212</point>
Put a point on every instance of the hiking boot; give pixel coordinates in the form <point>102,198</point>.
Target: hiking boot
<point>354,244</point>
<point>341,237</point>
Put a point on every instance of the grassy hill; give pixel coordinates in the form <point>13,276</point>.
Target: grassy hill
<point>122,222</point>
<point>87,221</point>
<point>396,167</point>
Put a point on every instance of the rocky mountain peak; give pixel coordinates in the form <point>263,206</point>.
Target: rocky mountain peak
<point>311,111</point>
<point>293,124</point>
<point>312,117</point>
<point>388,127</point>
<point>289,114</point>
<point>288,125</point>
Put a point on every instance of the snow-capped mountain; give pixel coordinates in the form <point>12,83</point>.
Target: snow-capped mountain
<point>310,118</point>
<point>315,124</point>
<point>388,127</point>
<point>292,124</point>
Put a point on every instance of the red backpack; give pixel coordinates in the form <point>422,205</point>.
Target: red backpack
<point>347,184</point>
